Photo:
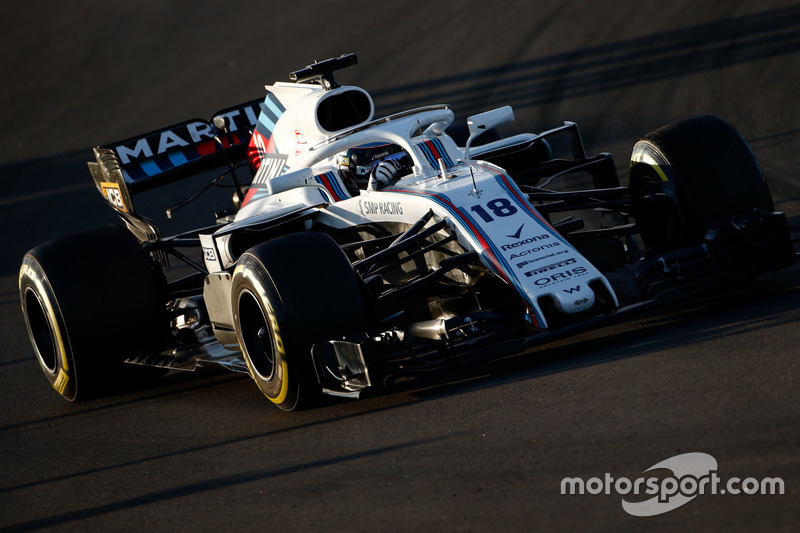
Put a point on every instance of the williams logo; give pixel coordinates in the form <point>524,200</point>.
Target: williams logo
<point>517,234</point>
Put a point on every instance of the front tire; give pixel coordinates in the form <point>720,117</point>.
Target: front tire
<point>287,294</point>
<point>686,176</point>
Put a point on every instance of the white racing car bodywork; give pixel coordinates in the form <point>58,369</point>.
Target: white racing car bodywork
<point>364,249</point>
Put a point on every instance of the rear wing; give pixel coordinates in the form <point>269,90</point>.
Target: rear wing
<point>122,169</point>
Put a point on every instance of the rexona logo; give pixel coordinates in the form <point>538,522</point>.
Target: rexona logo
<point>687,476</point>
<point>523,242</point>
<point>380,208</point>
<point>517,233</point>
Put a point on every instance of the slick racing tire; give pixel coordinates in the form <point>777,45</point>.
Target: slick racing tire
<point>688,175</point>
<point>287,293</point>
<point>89,299</point>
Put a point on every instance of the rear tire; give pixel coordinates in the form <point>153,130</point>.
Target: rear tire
<point>686,176</point>
<point>89,299</point>
<point>287,294</point>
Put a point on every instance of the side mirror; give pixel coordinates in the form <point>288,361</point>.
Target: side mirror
<point>483,122</point>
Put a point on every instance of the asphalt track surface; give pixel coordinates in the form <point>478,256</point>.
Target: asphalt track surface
<point>482,449</point>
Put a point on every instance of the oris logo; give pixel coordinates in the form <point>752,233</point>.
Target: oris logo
<point>523,242</point>
<point>561,276</point>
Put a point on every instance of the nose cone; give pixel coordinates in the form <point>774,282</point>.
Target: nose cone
<point>574,298</point>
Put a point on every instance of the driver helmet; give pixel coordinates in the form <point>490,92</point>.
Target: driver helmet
<point>358,163</point>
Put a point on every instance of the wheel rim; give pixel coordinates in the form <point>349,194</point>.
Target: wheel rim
<point>41,332</point>
<point>256,336</point>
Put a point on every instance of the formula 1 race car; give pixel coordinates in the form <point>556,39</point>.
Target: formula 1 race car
<point>361,250</point>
